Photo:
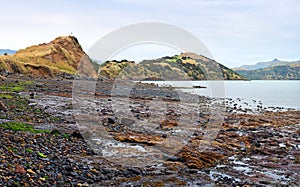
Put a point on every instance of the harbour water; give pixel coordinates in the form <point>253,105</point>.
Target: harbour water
<point>271,93</point>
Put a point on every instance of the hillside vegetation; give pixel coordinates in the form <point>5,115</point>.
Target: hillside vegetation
<point>179,67</point>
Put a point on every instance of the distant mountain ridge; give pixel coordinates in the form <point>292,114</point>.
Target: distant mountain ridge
<point>272,73</point>
<point>272,70</point>
<point>273,63</point>
<point>7,51</point>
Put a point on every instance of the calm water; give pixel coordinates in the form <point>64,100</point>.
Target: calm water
<point>271,93</point>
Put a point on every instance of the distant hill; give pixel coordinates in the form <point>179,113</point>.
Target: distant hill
<point>60,56</point>
<point>273,63</point>
<point>7,51</point>
<point>185,66</point>
<point>272,73</point>
<point>272,70</point>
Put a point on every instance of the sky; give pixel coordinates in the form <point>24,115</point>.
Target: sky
<point>236,32</point>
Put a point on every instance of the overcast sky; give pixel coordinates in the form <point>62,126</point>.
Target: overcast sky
<point>235,31</point>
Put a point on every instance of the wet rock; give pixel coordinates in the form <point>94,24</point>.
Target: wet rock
<point>135,171</point>
<point>77,134</point>
<point>74,174</point>
<point>127,121</point>
<point>139,138</point>
<point>198,160</point>
<point>110,120</point>
<point>282,145</point>
<point>31,95</point>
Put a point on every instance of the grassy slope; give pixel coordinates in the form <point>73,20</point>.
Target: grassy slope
<point>178,67</point>
<point>61,55</point>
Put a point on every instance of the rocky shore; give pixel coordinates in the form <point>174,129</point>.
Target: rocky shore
<point>147,136</point>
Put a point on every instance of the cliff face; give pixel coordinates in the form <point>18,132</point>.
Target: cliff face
<point>60,56</point>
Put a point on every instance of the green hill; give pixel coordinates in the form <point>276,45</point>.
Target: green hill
<point>272,73</point>
<point>185,66</point>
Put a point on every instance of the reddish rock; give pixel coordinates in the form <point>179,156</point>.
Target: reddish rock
<point>198,160</point>
<point>167,124</point>
<point>20,169</point>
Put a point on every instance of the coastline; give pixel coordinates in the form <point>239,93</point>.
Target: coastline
<point>250,148</point>
<point>272,94</point>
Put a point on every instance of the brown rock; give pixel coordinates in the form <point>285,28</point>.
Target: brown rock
<point>198,160</point>
<point>139,138</point>
<point>167,124</point>
<point>2,107</point>
<point>20,169</point>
